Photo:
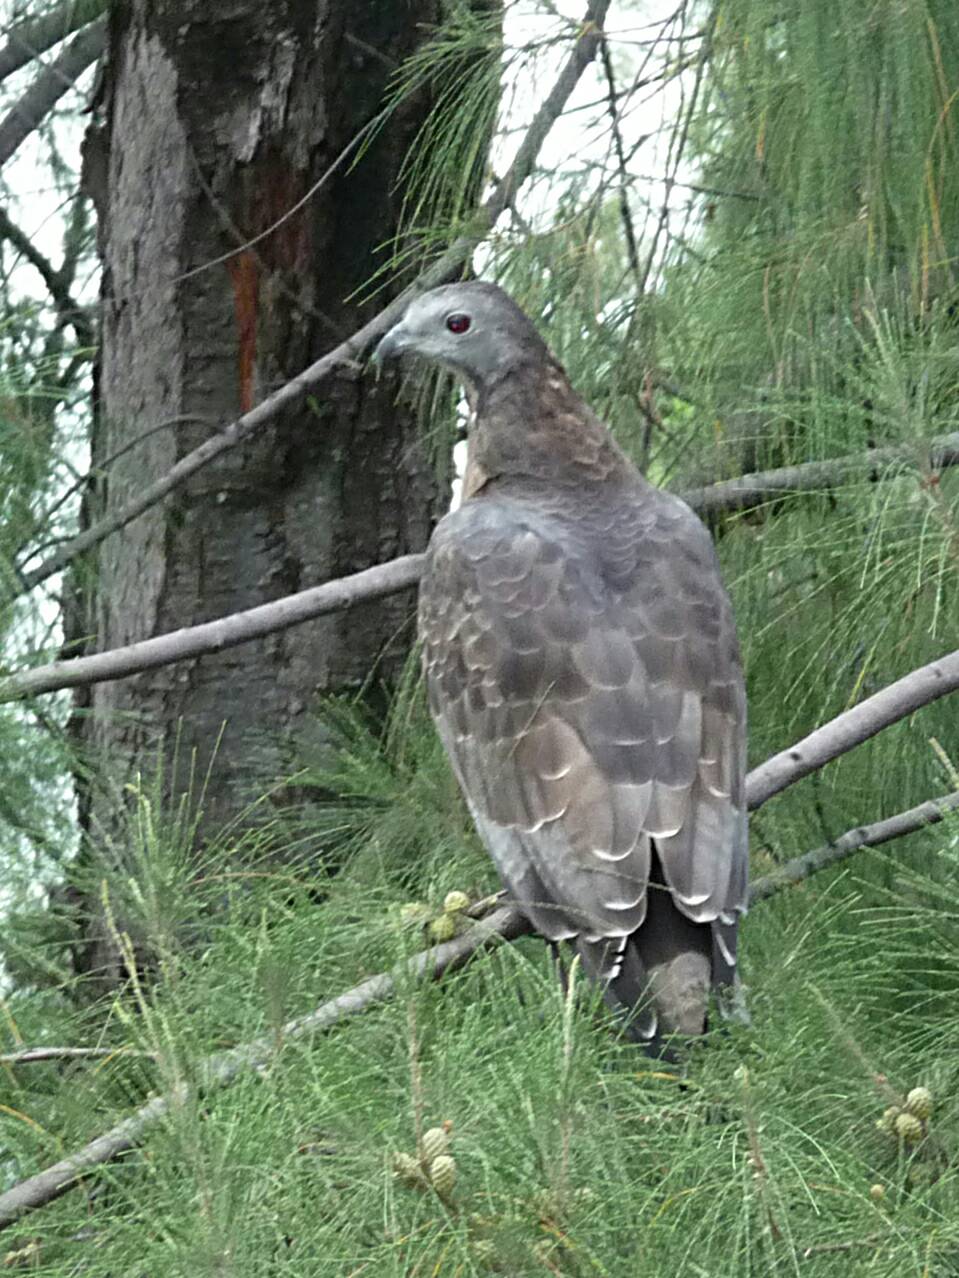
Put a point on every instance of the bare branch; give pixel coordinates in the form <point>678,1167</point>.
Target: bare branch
<point>214,636</point>
<point>69,311</point>
<point>819,1249</point>
<point>50,86</point>
<point>850,729</point>
<point>220,1070</point>
<point>30,1055</point>
<point>748,491</point>
<point>101,469</point>
<point>27,40</point>
<point>582,53</point>
<point>677,148</point>
<point>863,836</point>
<point>625,215</point>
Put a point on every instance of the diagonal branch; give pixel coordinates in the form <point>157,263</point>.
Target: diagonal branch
<point>863,836</point>
<point>68,308</point>
<point>854,726</point>
<point>505,923</point>
<point>677,149</point>
<point>745,492</point>
<point>625,214</point>
<point>214,636</point>
<point>449,262</point>
<point>29,39</point>
<point>30,1055</point>
<point>49,87</point>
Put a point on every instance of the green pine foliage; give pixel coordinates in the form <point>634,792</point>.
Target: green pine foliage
<point>826,140</point>
<point>574,1154</point>
<point>445,169</point>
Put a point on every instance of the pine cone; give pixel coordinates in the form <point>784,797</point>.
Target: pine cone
<point>443,928</point>
<point>888,1121</point>
<point>435,1143</point>
<point>919,1102</point>
<point>443,1175</point>
<point>407,1170</point>
<point>909,1129</point>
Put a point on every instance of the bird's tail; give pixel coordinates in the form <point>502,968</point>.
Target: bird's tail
<point>658,979</point>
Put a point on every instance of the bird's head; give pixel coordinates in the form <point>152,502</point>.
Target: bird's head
<point>473,328</point>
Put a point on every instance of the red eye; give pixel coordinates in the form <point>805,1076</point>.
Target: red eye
<point>458,322</point>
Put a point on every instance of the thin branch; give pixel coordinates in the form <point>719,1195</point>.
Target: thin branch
<point>748,491</point>
<point>100,469</point>
<point>30,1055</point>
<point>850,729</point>
<point>29,39</point>
<point>69,310</point>
<point>248,245</point>
<point>214,636</point>
<point>626,217</point>
<point>224,1067</point>
<point>243,244</point>
<point>50,86</point>
<point>350,350</point>
<point>863,836</point>
<point>75,237</point>
<point>818,1249</point>
<point>719,192</point>
<point>677,147</point>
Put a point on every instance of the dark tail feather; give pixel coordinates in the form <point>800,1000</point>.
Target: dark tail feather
<point>658,979</point>
<point>615,966</point>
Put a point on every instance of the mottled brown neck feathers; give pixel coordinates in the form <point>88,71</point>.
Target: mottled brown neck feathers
<point>531,424</point>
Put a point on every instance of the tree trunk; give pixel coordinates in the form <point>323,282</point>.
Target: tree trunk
<point>219,120</point>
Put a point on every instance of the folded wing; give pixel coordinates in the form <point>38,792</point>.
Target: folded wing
<point>585,679</point>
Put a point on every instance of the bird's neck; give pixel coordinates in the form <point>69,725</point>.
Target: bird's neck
<point>530,425</point>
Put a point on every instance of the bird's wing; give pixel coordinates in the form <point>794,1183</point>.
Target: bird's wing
<point>591,701</point>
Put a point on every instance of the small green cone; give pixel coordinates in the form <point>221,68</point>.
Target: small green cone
<point>436,1142</point>
<point>888,1121</point>
<point>909,1129</point>
<point>443,1175</point>
<point>919,1102</point>
<point>407,1170</point>
<point>443,928</point>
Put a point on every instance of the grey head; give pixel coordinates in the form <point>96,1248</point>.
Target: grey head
<point>473,328</point>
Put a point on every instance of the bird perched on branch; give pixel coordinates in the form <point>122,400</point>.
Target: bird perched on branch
<point>584,675</point>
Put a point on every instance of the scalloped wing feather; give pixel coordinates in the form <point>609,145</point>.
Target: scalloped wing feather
<point>584,675</point>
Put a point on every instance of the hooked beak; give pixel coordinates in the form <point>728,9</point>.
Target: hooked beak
<point>393,344</point>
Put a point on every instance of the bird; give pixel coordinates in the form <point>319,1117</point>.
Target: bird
<point>584,675</point>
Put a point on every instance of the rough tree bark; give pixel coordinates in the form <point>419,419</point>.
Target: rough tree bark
<point>216,120</point>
